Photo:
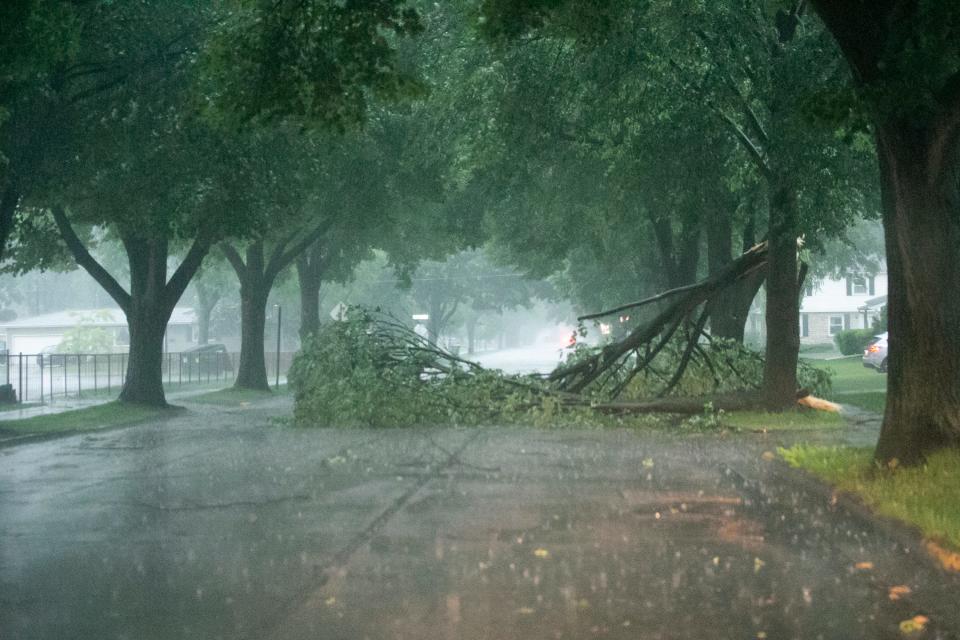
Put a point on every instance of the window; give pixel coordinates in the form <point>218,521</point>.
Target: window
<point>804,325</point>
<point>857,286</point>
<point>836,325</point>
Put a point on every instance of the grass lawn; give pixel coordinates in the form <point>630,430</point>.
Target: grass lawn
<point>235,397</point>
<point>856,385</point>
<point>786,421</point>
<point>925,496</point>
<point>101,416</point>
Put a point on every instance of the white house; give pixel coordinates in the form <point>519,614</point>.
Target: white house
<point>831,305</point>
<point>34,334</point>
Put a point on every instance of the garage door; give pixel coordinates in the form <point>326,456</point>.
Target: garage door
<point>33,344</point>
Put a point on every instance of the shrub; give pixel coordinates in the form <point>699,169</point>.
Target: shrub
<point>853,341</point>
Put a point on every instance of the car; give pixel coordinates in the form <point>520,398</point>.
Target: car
<point>875,355</point>
<point>48,357</point>
<point>207,359</point>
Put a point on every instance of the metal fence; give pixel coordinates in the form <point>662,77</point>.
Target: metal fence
<point>43,377</point>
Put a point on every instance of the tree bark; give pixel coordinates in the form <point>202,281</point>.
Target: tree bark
<point>921,202</point>
<point>310,278</point>
<point>207,301</point>
<point>143,383</point>
<point>472,323</point>
<point>257,275</point>
<point>252,370</point>
<point>9,200</point>
<point>783,301</point>
<point>729,313</point>
<point>147,318</point>
<point>255,285</point>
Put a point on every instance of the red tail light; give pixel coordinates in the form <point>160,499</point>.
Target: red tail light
<point>873,349</point>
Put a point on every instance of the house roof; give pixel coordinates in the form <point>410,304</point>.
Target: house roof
<point>92,317</point>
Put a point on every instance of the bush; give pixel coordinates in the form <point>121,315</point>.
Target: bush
<point>853,341</point>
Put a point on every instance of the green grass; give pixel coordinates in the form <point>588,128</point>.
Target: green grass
<point>925,496</point>
<point>235,397</point>
<point>875,401</point>
<point>797,420</point>
<point>856,385</point>
<point>102,416</point>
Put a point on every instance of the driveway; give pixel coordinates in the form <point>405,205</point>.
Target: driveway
<point>222,524</point>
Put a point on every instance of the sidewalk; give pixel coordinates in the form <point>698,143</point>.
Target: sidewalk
<point>72,403</point>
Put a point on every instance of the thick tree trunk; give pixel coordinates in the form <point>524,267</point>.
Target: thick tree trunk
<point>729,313</point>
<point>147,317</point>
<point>309,277</point>
<point>920,172</point>
<point>252,370</point>
<point>254,291</point>
<point>783,302</point>
<point>143,383</point>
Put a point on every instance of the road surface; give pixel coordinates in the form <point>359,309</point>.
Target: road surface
<point>218,524</point>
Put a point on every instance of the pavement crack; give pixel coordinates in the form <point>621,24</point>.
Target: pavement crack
<point>367,534</point>
<point>219,505</point>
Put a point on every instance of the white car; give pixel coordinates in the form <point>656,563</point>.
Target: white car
<point>875,355</point>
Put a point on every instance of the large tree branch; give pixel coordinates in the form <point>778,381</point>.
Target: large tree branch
<point>87,261</point>
<point>756,155</point>
<point>280,260</point>
<point>187,269</point>
<point>234,258</point>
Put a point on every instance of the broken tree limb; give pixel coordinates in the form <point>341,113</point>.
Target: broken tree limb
<point>683,303</point>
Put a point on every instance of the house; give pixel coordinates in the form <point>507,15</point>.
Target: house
<point>831,305</point>
<point>34,334</point>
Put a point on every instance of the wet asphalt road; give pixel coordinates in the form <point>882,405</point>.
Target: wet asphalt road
<point>219,525</point>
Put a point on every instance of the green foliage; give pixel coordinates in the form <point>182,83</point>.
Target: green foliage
<point>352,374</point>
<point>370,371</point>
<point>853,341</point>
<point>317,61</point>
<point>722,366</point>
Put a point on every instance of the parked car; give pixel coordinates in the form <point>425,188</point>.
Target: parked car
<point>207,359</point>
<point>875,355</point>
<point>48,357</point>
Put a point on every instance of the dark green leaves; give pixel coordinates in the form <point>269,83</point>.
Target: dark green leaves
<point>319,61</point>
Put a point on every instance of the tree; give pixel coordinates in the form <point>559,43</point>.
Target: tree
<point>905,59</point>
<point>734,63</point>
<point>109,179</point>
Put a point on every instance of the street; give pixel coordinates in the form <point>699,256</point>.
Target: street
<point>222,524</point>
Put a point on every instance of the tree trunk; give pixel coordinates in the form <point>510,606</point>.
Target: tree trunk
<point>147,318</point>
<point>310,277</point>
<point>143,383</point>
<point>921,200</point>
<point>729,313</point>
<point>207,301</point>
<point>252,370</point>
<point>254,290</point>
<point>783,302</point>
<point>472,334</point>
<point>9,199</point>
